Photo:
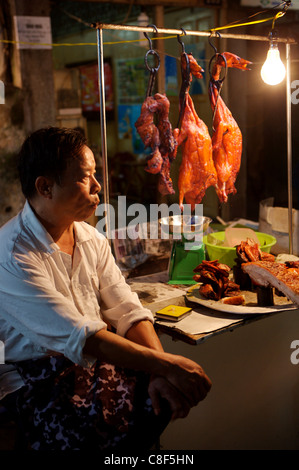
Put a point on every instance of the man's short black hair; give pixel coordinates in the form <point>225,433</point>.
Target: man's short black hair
<point>45,153</point>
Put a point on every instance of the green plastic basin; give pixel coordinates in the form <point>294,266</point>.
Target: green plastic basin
<point>227,255</point>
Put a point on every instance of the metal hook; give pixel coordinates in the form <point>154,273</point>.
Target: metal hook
<point>151,51</point>
<point>147,36</point>
<point>152,70</point>
<point>211,35</point>
<point>180,41</point>
<point>186,75</point>
<point>185,79</point>
<point>216,83</point>
<point>220,80</point>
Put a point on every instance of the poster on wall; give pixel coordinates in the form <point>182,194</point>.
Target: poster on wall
<point>127,116</point>
<point>90,89</point>
<point>132,79</point>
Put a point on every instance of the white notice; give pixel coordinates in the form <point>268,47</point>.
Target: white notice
<point>33,32</point>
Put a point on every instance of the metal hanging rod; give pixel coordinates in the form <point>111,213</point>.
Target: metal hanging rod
<point>147,29</point>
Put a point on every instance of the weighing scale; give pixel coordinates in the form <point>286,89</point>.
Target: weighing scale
<point>186,253</point>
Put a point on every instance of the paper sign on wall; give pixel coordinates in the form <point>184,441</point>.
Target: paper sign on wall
<point>33,32</point>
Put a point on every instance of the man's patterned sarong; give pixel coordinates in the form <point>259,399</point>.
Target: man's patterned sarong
<point>63,406</point>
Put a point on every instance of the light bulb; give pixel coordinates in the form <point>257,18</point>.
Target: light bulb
<point>273,71</point>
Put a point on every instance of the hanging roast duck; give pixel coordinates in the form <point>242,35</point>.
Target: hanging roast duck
<point>197,171</point>
<point>227,137</point>
<point>155,130</point>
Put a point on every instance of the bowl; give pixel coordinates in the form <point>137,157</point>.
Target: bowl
<point>185,224</point>
<point>227,255</point>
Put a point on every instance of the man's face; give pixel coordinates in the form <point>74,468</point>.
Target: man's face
<point>77,195</point>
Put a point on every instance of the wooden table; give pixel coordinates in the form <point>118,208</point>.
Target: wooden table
<point>253,403</point>
<point>155,293</point>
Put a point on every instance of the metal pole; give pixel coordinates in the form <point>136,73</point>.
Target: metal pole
<point>101,83</point>
<point>289,146</point>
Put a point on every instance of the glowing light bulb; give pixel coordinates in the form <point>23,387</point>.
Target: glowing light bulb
<point>273,71</point>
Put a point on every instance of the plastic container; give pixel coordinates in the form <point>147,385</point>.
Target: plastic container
<point>227,255</point>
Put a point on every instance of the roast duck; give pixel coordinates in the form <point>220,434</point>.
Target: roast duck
<point>265,273</point>
<point>227,137</point>
<point>205,161</point>
<point>215,283</point>
<point>197,171</point>
<point>156,132</point>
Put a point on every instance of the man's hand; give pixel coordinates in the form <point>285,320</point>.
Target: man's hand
<point>184,385</point>
<point>188,378</point>
<point>160,389</point>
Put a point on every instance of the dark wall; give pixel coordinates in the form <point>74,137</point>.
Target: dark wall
<point>266,143</point>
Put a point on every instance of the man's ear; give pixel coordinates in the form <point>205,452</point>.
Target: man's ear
<point>44,186</point>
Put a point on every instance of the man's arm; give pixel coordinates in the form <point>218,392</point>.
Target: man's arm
<point>159,389</point>
<point>143,332</point>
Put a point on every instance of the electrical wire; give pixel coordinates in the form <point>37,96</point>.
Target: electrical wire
<point>280,14</point>
<point>285,4</point>
<point>73,17</point>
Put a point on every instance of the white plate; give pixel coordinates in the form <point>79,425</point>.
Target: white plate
<point>251,307</point>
